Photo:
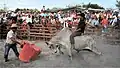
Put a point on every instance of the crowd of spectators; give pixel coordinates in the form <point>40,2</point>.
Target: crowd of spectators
<point>60,19</point>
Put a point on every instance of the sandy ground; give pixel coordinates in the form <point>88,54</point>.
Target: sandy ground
<point>109,59</point>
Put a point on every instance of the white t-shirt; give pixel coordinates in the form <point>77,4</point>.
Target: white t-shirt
<point>5,19</point>
<point>23,18</point>
<point>29,20</point>
<point>53,21</point>
<point>10,34</point>
<point>61,20</point>
<point>69,18</point>
<point>59,16</point>
<point>13,14</point>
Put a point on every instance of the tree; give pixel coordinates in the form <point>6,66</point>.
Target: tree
<point>17,10</point>
<point>118,4</point>
<point>2,10</point>
<point>48,9</point>
<point>94,6</point>
<point>55,8</point>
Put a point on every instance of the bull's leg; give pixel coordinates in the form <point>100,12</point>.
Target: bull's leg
<point>60,51</point>
<point>69,50</point>
<point>94,50</point>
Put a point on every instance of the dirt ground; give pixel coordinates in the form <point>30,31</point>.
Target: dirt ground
<point>109,59</point>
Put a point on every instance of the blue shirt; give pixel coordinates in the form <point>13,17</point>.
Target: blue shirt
<point>94,22</point>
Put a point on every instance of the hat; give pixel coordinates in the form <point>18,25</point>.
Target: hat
<point>13,25</point>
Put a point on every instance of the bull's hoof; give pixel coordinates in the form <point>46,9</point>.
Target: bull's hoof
<point>70,58</point>
<point>100,54</point>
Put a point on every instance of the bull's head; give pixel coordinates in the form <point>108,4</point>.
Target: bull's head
<point>56,47</point>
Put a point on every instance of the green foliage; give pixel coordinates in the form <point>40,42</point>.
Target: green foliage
<point>26,10</point>
<point>2,10</point>
<point>94,6</point>
<point>118,4</point>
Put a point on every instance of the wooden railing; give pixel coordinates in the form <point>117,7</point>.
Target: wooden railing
<point>37,32</point>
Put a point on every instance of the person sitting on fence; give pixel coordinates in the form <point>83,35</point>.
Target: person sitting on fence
<point>29,20</point>
<point>11,42</point>
<point>53,20</point>
<point>62,21</point>
<point>24,25</point>
<point>70,23</point>
<point>58,24</point>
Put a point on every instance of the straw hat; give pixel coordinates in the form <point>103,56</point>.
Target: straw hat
<point>13,25</point>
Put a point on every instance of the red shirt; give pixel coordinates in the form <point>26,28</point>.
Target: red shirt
<point>104,22</point>
<point>70,23</point>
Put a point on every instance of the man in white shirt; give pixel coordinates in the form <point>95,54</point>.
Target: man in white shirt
<point>29,20</point>
<point>11,42</point>
<point>62,21</point>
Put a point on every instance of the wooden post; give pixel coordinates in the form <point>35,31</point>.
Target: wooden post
<point>28,31</point>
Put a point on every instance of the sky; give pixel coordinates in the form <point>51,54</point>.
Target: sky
<point>13,4</point>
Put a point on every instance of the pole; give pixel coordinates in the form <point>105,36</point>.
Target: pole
<point>5,8</point>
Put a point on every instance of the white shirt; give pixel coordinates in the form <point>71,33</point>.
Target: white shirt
<point>59,16</point>
<point>61,20</point>
<point>53,21</point>
<point>4,19</point>
<point>23,18</point>
<point>10,34</point>
<point>13,14</point>
<point>69,18</point>
<point>29,20</point>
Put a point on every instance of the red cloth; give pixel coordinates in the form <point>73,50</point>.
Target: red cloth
<point>29,52</point>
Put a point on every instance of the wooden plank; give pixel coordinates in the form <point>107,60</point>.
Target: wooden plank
<point>43,28</point>
<point>42,33</point>
<point>36,30</point>
<point>43,37</point>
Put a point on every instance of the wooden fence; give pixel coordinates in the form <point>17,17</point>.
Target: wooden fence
<point>37,32</point>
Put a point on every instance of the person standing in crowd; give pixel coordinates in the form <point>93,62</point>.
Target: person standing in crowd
<point>95,22</point>
<point>11,42</point>
<point>80,29</point>
<point>104,24</point>
<point>88,16</point>
<point>116,21</point>
<point>62,21</point>
<point>4,18</point>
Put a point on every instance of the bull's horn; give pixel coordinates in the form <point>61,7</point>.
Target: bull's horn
<point>47,43</point>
